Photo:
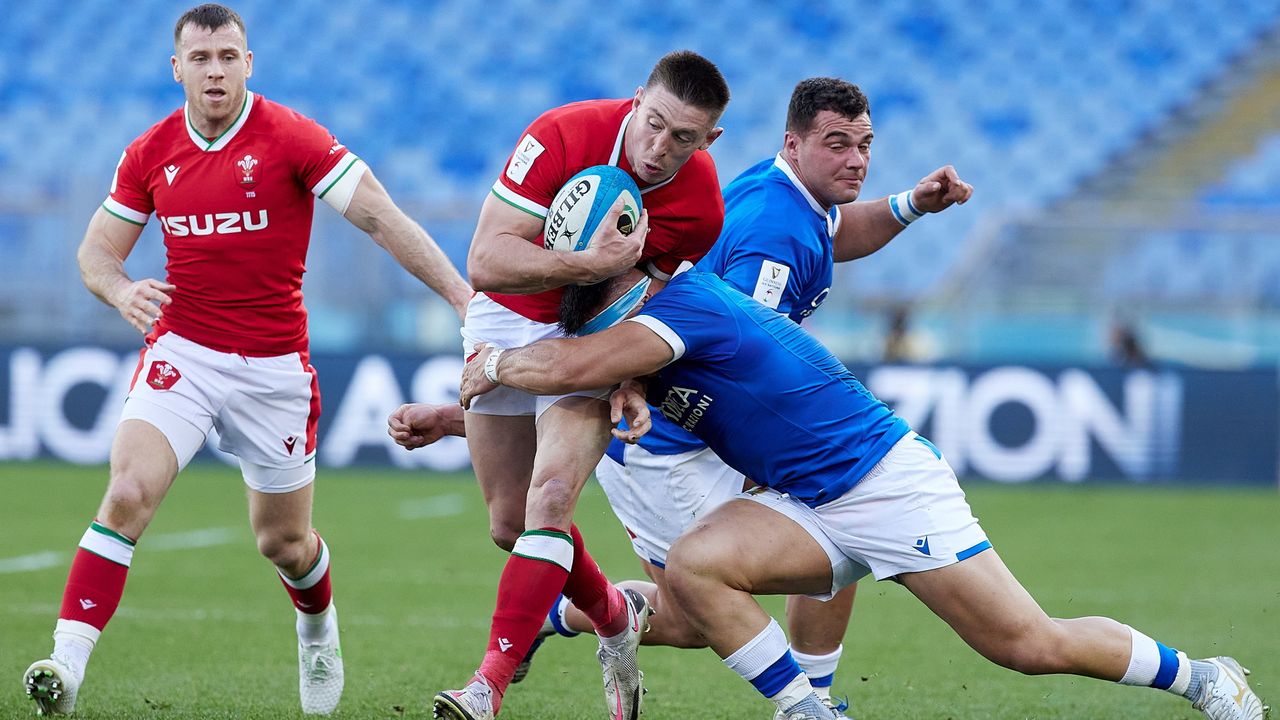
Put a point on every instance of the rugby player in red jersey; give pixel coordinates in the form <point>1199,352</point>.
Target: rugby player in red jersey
<point>533,454</point>
<point>232,179</point>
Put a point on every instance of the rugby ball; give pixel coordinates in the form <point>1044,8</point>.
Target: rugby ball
<point>582,204</point>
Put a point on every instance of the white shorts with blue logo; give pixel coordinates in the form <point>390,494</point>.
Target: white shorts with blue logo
<point>907,514</point>
<point>657,497</point>
<point>489,322</point>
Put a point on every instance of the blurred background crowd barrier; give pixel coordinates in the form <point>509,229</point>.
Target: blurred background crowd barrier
<point>1123,241</point>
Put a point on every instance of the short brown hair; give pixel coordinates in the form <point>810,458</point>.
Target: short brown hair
<point>209,16</point>
<point>693,79</point>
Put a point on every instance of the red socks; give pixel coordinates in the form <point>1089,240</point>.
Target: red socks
<point>96,581</point>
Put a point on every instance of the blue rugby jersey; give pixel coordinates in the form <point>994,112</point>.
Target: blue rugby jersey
<point>762,393</point>
<point>776,246</point>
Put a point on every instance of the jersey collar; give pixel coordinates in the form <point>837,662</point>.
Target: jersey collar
<point>615,158</point>
<point>225,138</point>
<point>782,165</point>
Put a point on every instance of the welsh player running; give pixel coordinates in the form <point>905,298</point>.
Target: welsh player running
<point>533,453</point>
<point>232,178</point>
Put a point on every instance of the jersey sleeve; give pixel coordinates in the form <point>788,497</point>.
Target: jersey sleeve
<point>769,263</point>
<point>687,322</point>
<point>130,198</point>
<point>536,169</point>
<point>324,165</point>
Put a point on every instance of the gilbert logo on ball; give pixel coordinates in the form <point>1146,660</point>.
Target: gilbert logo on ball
<point>584,202</point>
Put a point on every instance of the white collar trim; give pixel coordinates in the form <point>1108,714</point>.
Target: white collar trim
<point>227,135</point>
<point>782,165</point>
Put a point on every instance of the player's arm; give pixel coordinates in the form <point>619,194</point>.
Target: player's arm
<point>504,256</point>
<point>866,226</point>
<point>373,211</point>
<point>416,425</point>
<point>107,242</point>
<point>558,366</point>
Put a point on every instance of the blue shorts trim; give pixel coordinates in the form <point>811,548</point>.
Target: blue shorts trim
<point>970,552</point>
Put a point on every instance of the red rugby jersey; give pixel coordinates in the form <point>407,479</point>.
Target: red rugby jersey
<point>236,214</point>
<point>685,212</point>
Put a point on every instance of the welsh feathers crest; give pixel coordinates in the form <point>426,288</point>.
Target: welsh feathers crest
<point>246,167</point>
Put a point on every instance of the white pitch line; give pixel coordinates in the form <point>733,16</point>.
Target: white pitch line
<point>164,542</point>
<point>28,563</point>
<point>350,619</point>
<point>432,507</point>
<point>190,540</point>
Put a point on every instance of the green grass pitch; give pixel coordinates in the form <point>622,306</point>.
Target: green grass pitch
<point>206,631</point>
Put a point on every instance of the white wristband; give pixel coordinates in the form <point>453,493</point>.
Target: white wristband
<point>904,211</point>
<point>491,365</point>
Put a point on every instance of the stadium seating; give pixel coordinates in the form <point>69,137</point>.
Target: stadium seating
<point>1251,181</point>
<point>435,94</point>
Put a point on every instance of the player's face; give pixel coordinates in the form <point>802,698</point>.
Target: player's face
<point>212,66</point>
<point>832,158</point>
<point>665,132</point>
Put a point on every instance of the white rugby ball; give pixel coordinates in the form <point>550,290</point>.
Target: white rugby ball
<point>582,204</point>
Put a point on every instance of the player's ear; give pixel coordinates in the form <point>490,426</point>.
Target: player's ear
<point>177,75</point>
<point>790,144</point>
<point>635,101</point>
<point>711,137</point>
<point>248,64</point>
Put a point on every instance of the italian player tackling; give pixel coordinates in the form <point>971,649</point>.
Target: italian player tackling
<point>846,489</point>
<point>232,179</point>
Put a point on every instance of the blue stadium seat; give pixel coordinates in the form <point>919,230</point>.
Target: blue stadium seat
<point>435,94</point>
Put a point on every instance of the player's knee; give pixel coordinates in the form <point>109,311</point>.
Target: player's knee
<point>551,500</point>
<point>285,548</point>
<point>691,566</point>
<point>1034,650</point>
<point>129,498</point>
<point>505,534</point>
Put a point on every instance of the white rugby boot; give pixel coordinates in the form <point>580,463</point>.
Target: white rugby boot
<point>623,681</point>
<point>53,686</point>
<point>473,702</point>
<point>838,708</point>
<point>1228,697</point>
<point>320,672</point>
<point>810,708</point>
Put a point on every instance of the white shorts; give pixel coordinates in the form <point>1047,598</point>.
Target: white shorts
<point>657,497</point>
<point>264,408</point>
<point>489,322</point>
<point>907,514</point>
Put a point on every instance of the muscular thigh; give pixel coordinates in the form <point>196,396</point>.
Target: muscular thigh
<point>756,549</point>
<point>572,436</point>
<point>502,450</point>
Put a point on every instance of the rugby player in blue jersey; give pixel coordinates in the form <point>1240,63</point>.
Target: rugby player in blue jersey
<point>846,489</point>
<point>788,219</point>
